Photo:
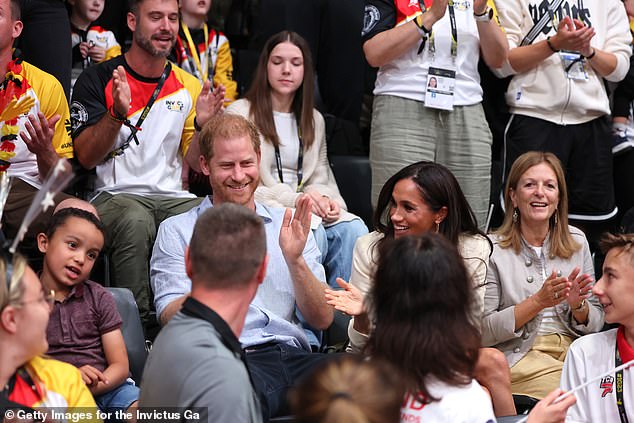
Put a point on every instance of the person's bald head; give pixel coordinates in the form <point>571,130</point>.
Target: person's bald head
<point>76,203</point>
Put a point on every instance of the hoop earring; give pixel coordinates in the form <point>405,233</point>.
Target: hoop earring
<point>516,215</point>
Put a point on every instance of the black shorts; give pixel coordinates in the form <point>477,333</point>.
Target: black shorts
<point>585,152</point>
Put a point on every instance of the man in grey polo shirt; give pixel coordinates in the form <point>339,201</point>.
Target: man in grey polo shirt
<point>197,360</point>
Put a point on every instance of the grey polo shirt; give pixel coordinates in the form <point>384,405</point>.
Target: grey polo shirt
<point>190,366</point>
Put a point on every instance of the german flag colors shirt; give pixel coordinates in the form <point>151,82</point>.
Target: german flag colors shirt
<point>154,165</point>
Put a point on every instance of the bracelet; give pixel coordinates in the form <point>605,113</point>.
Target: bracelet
<point>594,52</point>
<point>197,127</point>
<point>485,16</point>
<point>421,28</point>
<point>554,50</point>
<point>115,116</point>
<point>581,306</point>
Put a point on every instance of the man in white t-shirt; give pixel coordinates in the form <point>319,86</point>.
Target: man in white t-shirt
<point>134,119</point>
<point>592,355</point>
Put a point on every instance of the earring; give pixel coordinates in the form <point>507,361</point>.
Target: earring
<point>516,215</point>
<point>437,227</point>
<point>556,218</point>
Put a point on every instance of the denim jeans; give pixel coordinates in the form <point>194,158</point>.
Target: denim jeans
<point>275,368</point>
<point>336,244</point>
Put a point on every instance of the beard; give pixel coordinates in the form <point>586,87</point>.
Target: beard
<point>146,44</point>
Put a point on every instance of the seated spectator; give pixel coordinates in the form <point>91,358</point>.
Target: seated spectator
<point>85,327</point>
<point>91,43</point>
<point>203,53</point>
<point>592,355</point>
<point>539,279</point>
<point>33,127</point>
<point>28,378</point>
<point>350,389</point>
<point>281,104</point>
<point>138,172</point>
<point>426,331</point>
<point>276,346</point>
<point>424,197</point>
<point>196,360</point>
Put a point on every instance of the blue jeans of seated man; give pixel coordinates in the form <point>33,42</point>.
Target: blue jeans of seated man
<point>336,244</point>
<point>275,368</point>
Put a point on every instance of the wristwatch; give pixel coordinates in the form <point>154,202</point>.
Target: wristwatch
<point>486,16</point>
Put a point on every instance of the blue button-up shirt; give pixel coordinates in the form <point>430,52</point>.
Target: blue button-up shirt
<point>272,314</point>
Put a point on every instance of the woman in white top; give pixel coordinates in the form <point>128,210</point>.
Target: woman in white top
<point>414,43</point>
<point>280,102</point>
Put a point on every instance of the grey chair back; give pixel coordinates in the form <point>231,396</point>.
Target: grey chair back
<point>132,330</point>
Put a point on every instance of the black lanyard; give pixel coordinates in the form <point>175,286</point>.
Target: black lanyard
<point>454,30</point>
<point>136,128</point>
<point>195,308</point>
<point>300,160</point>
<point>620,401</point>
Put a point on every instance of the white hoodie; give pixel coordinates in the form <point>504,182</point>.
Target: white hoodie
<point>545,92</point>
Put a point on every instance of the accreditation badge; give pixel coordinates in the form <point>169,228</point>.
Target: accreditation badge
<point>440,88</point>
<point>574,65</point>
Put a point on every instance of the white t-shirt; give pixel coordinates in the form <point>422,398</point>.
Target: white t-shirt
<point>457,404</point>
<point>406,76</point>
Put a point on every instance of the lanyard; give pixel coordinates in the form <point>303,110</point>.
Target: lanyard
<point>300,160</point>
<point>620,401</point>
<point>194,52</point>
<point>454,33</point>
<point>136,128</point>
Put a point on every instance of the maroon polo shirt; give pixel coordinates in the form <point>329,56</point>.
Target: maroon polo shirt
<point>77,324</point>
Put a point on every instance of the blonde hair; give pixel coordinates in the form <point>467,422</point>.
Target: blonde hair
<point>349,390</point>
<point>12,291</point>
<point>561,242</point>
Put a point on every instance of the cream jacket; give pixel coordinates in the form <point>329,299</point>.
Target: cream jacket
<point>512,278</point>
<point>317,173</point>
<point>475,251</point>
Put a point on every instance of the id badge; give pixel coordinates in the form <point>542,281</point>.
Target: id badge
<point>574,65</point>
<point>441,84</point>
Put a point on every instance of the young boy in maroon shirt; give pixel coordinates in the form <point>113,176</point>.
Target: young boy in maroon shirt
<point>84,327</point>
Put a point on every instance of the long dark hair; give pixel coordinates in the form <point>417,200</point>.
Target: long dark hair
<point>421,296</point>
<point>439,188</point>
<point>259,93</point>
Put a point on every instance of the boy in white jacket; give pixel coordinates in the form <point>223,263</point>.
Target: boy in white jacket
<point>595,354</point>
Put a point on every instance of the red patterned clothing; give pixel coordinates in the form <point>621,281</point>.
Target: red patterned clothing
<point>154,166</point>
<point>52,383</point>
<point>47,96</point>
